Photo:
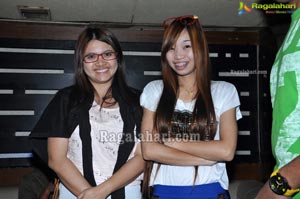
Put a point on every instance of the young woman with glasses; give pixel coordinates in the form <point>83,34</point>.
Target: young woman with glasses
<point>90,127</point>
<point>189,124</point>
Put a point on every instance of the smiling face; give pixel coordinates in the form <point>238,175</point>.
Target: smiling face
<point>180,56</point>
<point>101,71</point>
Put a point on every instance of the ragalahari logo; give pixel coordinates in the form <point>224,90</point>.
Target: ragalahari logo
<point>243,8</point>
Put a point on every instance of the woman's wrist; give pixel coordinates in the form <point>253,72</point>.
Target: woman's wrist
<point>105,188</point>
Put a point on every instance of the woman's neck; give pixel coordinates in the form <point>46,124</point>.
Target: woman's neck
<point>187,88</point>
<point>101,91</point>
<point>187,82</point>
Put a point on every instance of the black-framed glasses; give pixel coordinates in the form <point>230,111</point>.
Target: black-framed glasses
<point>186,20</point>
<point>93,57</point>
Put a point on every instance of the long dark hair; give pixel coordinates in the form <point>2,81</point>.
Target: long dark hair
<point>203,113</point>
<point>204,119</point>
<point>119,82</point>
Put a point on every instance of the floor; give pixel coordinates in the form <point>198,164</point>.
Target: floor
<point>8,192</point>
<point>237,189</point>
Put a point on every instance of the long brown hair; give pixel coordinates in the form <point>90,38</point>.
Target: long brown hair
<point>204,119</point>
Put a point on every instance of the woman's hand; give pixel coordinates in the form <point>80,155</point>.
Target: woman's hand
<point>126,174</point>
<point>172,142</point>
<point>99,192</point>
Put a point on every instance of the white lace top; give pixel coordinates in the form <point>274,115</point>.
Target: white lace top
<point>106,134</point>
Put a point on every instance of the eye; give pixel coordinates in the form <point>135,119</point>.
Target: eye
<point>188,46</point>
<point>108,54</point>
<point>90,56</point>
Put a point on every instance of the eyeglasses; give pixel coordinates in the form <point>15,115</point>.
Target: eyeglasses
<point>186,20</point>
<point>93,57</point>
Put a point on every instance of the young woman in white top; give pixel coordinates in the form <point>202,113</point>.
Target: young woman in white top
<point>189,123</point>
<point>90,128</point>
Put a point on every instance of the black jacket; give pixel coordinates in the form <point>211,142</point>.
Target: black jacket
<point>66,111</point>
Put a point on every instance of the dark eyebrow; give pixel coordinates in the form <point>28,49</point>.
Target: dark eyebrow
<point>105,51</point>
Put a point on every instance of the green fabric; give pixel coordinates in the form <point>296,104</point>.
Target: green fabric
<point>295,148</point>
<point>285,95</point>
<point>285,103</point>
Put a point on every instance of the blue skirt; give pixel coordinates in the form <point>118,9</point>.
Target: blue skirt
<point>205,191</point>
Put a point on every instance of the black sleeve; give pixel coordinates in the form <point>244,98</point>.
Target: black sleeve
<point>52,123</point>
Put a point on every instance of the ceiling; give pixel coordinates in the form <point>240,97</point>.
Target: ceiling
<point>212,13</point>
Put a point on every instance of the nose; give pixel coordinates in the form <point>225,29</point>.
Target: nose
<point>100,60</point>
<point>178,53</point>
